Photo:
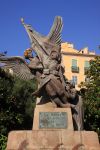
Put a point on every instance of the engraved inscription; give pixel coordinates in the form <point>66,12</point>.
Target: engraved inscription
<point>55,120</point>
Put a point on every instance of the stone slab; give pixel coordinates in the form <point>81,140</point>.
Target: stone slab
<point>45,109</point>
<point>52,140</point>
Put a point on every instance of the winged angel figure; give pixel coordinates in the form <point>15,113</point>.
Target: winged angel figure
<point>45,66</point>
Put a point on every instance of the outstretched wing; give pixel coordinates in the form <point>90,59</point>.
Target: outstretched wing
<point>43,45</point>
<point>16,66</point>
<point>55,32</point>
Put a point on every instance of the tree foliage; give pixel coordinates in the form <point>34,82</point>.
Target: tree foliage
<point>16,104</point>
<point>92,97</point>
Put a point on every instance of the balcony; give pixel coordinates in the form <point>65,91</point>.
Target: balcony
<point>86,70</point>
<point>75,69</point>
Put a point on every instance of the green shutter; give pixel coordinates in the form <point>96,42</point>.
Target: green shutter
<point>87,64</point>
<point>74,62</point>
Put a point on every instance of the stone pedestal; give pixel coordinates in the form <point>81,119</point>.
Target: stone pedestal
<point>52,140</point>
<point>49,110</point>
<point>49,133</point>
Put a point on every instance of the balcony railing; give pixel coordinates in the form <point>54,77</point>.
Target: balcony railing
<point>75,69</point>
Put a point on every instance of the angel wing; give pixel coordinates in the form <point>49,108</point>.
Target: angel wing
<point>16,67</point>
<point>55,32</point>
<point>44,44</point>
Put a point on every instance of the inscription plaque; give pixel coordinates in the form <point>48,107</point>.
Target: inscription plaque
<point>55,120</point>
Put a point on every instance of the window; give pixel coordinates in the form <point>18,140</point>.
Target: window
<point>74,80</point>
<point>74,63</point>
<point>75,68</point>
<point>87,64</point>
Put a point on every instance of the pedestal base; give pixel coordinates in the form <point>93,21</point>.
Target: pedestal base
<point>49,134</point>
<point>52,140</point>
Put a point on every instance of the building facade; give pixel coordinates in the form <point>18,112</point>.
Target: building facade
<point>76,63</point>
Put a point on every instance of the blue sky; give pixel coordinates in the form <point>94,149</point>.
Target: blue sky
<point>81,20</point>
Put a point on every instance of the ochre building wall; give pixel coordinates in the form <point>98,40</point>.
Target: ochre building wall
<point>69,53</point>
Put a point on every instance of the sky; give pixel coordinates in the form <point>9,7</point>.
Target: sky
<point>81,19</point>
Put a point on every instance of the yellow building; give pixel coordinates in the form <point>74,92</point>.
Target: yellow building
<point>76,62</point>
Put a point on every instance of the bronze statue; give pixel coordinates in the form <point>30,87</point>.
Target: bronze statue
<point>78,111</point>
<point>46,66</point>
